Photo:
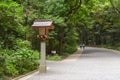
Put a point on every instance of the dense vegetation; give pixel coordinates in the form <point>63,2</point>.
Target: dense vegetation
<point>93,22</point>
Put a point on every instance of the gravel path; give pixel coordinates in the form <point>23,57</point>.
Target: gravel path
<point>92,64</point>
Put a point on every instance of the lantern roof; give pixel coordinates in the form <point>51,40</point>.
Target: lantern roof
<point>42,23</point>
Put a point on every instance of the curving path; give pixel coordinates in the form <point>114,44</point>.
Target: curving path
<point>92,64</point>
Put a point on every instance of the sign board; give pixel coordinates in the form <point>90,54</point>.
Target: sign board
<point>54,52</point>
<point>42,31</point>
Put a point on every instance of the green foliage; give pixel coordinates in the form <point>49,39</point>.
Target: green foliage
<point>70,43</point>
<point>54,57</point>
<point>115,47</point>
<point>16,64</point>
<point>10,68</point>
<point>97,23</point>
<point>20,43</point>
<point>10,26</point>
<point>14,50</point>
<point>16,60</point>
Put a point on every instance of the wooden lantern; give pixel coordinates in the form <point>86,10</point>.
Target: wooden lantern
<point>43,26</point>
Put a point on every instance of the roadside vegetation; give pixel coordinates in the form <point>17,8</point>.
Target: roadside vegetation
<point>116,47</point>
<point>92,22</point>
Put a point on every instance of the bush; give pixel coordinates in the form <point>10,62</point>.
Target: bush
<point>18,61</point>
<point>115,47</point>
<point>23,60</point>
<point>68,49</point>
<point>2,61</point>
<point>20,44</point>
<point>54,57</point>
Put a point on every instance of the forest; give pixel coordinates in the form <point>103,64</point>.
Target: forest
<point>92,22</point>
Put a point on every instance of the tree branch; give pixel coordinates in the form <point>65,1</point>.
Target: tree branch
<point>76,6</point>
<point>116,9</point>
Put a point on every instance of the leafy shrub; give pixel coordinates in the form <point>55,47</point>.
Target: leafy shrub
<point>54,57</point>
<point>69,48</point>
<point>26,56</point>
<point>20,60</point>
<point>10,69</point>
<point>20,43</point>
<point>23,60</point>
<point>2,61</point>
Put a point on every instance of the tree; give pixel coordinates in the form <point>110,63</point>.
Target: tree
<point>10,27</point>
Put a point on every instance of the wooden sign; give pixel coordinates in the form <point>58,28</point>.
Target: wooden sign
<point>42,31</point>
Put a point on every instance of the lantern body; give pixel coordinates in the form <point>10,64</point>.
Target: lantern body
<point>42,31</point>
<point>43,26</point>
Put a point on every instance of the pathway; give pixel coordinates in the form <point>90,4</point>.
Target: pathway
<point>92,64</point>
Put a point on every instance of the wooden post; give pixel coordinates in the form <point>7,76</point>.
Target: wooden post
<point>42,67</point>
